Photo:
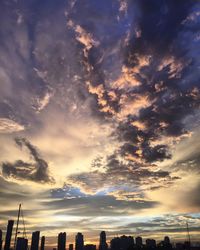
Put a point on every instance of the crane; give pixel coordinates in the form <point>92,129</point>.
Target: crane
<point>20,213</point>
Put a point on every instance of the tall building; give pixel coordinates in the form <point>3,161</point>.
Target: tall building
<point>1,239</point>
<point>102,241</point>
<point>166,240</point>
<point>165,244</point>
<point>71,246</point>
<point>8,234</point>
<point>138,241</point>
<point>42,243</point>
<point>79,242</point>
<point>35,240</point>
<point>62,241</point>
<point>22,244</point>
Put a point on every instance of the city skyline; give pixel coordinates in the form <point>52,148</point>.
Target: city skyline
<point>16,235</point>
<point>122,242</point>
<point>100,117</point>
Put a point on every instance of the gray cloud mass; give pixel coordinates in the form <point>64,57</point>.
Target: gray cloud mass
<point>37,171</point>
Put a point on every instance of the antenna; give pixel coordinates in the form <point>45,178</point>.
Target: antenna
<point>188,234</point>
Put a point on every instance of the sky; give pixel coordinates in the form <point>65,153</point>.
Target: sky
<point>99,117</point>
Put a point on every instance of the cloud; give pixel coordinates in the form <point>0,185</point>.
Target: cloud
<point>115,93</point>
<point>41,103</point>
<point>148,94</point>
<point>36,171</point>
<point>96,206</point>
<point>115,177</point>
<point>191,196</point>
<point>10,126</point>
<point>12,192</point>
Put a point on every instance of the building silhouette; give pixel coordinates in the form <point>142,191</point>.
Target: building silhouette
<point>1,239</point>
<point>115,243</point>
<point>102,241</point>
<point>79,241</point>
<point>122,243</point>
<point>186,246</point>
<point>138,242</point>
<point>166,243</point>
<point>42,243</point>
<point>71,246</point>
<point>35,240</point>
<point>8,234</point>
<point>126,242</point>
<point>22,244</point>
<point>90,247</point>
<point>151,243</point>
<point>62,241</point>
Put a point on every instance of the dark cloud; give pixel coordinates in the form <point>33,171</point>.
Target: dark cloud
<point>159,25</point>
<point>172,99</point>
<point>161,64</point>
<point>95,205</point>
<point>99,59</point>
<point>37,171</point>
<point>157,153</point>
<point>117,175</point>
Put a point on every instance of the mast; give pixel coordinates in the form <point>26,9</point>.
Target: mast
<point>188,233</point>
<point>17,226</point>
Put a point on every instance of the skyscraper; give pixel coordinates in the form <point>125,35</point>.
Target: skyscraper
<point>79,242</point>
<point>35,240</point>
<point>1,239</point>
<point>8,234</point>
<point>62,241</point>
<point>166,243</point>
<point>102,241</point>
<point>22,244</point>
<point>138,241</point>
<point>166,240</point>
<point>42,243</point>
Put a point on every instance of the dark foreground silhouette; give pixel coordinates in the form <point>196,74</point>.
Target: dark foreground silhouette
<point>117,243</point>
